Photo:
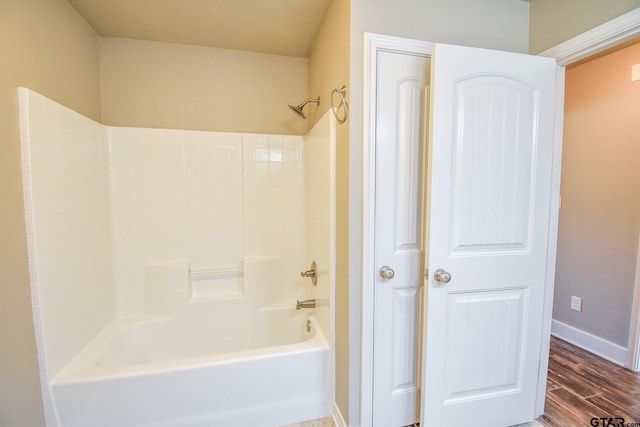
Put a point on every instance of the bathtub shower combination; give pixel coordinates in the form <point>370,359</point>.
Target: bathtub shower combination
<point>165,271</point>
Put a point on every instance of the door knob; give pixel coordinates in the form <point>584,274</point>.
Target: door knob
<point>442,276</point>
<point>386,272</point>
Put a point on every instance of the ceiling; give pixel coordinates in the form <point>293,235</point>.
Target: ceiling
<point>283,27</point>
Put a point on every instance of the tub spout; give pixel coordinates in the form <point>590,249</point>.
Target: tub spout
<point>306,303</point>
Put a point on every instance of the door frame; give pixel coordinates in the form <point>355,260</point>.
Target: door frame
<point>598,39</point>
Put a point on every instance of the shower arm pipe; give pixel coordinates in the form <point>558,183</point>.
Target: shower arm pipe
<point>306,101</point>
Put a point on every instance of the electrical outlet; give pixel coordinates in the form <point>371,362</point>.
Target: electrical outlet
<point>576,303</point>
<point>635,72</point>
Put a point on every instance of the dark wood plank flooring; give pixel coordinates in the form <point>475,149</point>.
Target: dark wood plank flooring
<point>582,386</point>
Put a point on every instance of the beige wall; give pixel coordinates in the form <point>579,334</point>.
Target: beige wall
<point>165,85</point>
<point>552,22</point>
<point>496,24</point>
<point>600,216</point>
<point>329,68</point>
<point>46,46</point>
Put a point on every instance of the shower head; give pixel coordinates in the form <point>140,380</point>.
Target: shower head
<point>298,109</point>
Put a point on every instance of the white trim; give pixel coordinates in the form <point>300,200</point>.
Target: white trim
<point>337,417</point>
<point>599,346</point>
<point>552,242</point>
<point>634,332</point>
<point>373,43</point>
<point>602,37</point>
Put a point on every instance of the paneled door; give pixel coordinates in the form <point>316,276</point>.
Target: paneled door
<point>489,192</point>
<point>399,236</point>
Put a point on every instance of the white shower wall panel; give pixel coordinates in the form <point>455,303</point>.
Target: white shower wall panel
<point>67,212</point>
<point>211,199</point>
<point>213,165</point>
<point>320,237</point>
<point>66,196</point>
<point>320,214</point>
<point>105,205</point>
<point>149,207</point>
<point>177,197</point>
<point>274,208</point>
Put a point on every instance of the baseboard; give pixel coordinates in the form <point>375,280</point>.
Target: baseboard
<point>593,344</point>
<point>338,419</point>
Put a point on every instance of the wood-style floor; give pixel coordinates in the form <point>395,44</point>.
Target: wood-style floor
<point>582,386</point>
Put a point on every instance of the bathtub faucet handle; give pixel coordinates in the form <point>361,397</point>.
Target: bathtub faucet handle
<point>311,273</point>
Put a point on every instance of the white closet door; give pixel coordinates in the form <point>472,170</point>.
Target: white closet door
<point>399,236</point>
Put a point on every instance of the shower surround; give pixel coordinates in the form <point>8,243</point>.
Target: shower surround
<point>128,223</point>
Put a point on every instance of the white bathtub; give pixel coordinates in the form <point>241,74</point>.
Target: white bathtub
<point>266,371</point>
